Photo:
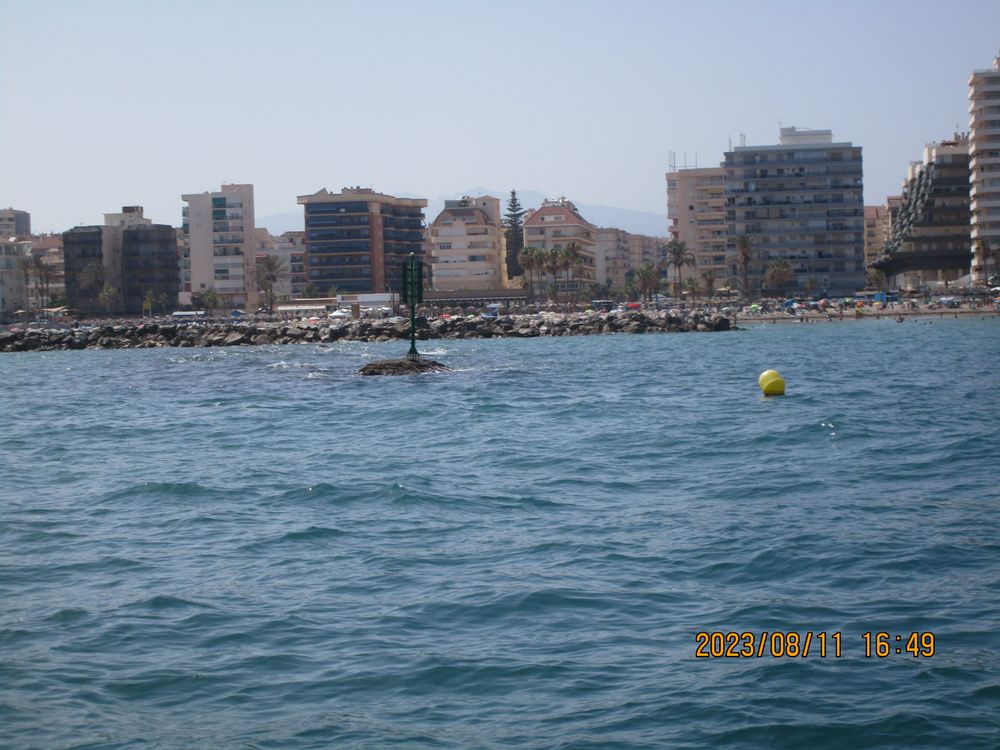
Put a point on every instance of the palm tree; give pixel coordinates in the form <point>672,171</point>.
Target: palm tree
<point>678,256</point>
<point>162,300</point>
<point>690,286</point>
<point>744,251</point>
<point>572,261</point>
<point>647,280</point>
<point>779,273</point>
<point>43,272</point>
<point>811,285</point>
<point>38,270</point>
<point>270,270</point>
<point>25,265</point>
<point>986,254</point>
<point>147,301</point>
<point>552,264</point>
<point>529,260</point>
<point>708,277</point>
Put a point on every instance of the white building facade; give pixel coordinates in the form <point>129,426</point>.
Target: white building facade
<point>221,245</point>
<point>984,164</point>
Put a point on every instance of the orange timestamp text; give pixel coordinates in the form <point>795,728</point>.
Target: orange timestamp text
<point>719,644</point>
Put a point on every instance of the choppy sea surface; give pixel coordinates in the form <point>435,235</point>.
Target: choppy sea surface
<point>255,548</point>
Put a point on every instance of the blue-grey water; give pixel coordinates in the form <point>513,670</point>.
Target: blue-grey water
<point>255,548</point>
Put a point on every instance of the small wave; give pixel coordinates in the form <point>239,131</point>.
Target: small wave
<point>162,602</point>
<point>305,536</point>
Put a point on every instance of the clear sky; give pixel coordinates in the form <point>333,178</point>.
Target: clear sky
<point>108,104</point>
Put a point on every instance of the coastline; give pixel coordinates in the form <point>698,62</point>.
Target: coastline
<point>261,333</point>
<point>144,335</point>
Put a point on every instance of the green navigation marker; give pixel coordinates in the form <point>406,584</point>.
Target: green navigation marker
<point>412,294</point>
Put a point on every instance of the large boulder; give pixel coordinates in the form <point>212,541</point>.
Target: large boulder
<point>402,367</point>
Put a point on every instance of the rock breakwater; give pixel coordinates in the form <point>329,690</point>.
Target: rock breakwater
<point>149,335</point>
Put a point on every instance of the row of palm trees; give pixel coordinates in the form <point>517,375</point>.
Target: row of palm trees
<point>567,261</point>
<point>37,269</point>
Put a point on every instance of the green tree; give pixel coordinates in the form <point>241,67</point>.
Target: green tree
<point>779,274</point>
<point>147,302</point>
<point>25,265</point>
<point>677,255</point>
<point>91,281</point>
<point>552,264</point>
<point>985,254</point>
<point>310,290</point>
<point>744,256</point>
<point>514,232</point>
<point>108,297</point>
<point>571,260</point>
<point>162,299</point>
<point>690,286</point>
<point>811,284</point>
<point>708,278</point>
<point>208,300</point>
<point>43,280</point>
<point>270,270</point>
<point>530,260</point>
<point>875,279</point>
<point>647,280</point>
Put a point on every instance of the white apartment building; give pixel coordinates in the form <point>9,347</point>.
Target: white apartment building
<point>696,209</point>
<point>984,162</point>
<point>222,245</point>
<point>468,245</point>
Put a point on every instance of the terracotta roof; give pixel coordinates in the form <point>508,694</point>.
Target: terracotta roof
<point>571,216</point>
<point>478,213</point>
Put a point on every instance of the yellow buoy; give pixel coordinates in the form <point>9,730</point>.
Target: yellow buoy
<point>771,383</point>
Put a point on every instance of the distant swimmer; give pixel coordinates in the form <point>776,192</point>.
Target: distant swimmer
<point>899,318</point>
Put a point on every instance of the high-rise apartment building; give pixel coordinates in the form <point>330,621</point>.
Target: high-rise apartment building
<point>221,244</point>
<point>984,163</point>
<point>357,240</point>
<point>696,209</point>
<point>929,239</point>
<point>468,244</point>
<point>14,223</point>
<point>799,201</point>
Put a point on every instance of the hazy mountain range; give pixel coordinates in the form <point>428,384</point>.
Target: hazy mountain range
<point>637,222</point>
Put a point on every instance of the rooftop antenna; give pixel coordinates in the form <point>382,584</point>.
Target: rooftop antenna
<point>743,139</point>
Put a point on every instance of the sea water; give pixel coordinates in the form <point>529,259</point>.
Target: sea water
<point>253,547</point>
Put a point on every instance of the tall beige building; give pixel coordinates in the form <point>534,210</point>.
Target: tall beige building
<point>696,209</point>
<point>611,257</point>
<point>222,245</point>
<point>984,163</point>
<point>468,245</point>
<point>554,226</point>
